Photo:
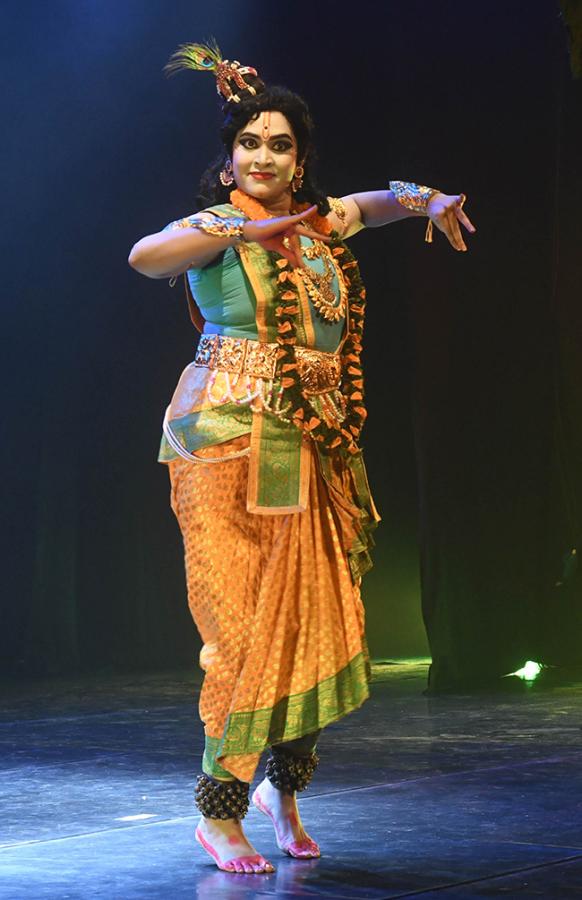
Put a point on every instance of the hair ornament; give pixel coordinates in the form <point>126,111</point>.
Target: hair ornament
<point>208,57</point>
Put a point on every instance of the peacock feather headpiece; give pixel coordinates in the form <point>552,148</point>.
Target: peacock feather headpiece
<point>208,57</point>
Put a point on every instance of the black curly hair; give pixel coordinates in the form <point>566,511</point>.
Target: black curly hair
<point>236,115</point>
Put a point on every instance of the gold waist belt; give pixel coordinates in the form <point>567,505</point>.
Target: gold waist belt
<point>319,371</point>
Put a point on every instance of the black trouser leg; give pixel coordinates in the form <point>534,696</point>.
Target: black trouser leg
<point>291,764</point>
<point>302,746</point>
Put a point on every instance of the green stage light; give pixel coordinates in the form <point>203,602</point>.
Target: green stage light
<point>529,671</point>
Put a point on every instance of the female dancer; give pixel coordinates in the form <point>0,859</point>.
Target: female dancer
<point>261,442</point>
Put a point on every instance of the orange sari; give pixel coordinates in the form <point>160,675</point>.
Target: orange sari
<point>281,619</point>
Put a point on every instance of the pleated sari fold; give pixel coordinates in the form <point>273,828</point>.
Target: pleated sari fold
<point>276,605</point>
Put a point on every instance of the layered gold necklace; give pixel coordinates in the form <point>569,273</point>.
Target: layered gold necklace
<point>319,285</point>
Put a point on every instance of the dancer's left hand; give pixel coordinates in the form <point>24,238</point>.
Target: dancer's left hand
<point>446,211</point>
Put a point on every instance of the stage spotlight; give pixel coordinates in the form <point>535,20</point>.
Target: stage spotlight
<point>529,671</point>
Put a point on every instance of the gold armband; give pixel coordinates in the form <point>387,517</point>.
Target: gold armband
<point>339,208</point>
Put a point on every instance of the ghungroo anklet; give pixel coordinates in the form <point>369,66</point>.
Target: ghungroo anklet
<point>221,799</point>
<point>290,773</point>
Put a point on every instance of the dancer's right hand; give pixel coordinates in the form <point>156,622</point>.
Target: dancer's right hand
<point>270,234</point>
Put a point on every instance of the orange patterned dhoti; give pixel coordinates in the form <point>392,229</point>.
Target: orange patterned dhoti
<point>281,619</point>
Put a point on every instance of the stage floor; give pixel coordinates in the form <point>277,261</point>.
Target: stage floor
<point>443,797</point>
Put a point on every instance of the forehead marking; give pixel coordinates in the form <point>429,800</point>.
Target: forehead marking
<point>266,125</point>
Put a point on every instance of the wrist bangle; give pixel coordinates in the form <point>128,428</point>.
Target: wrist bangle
<point>415,197</point>
<point>228,227</point>
<point>232,227</point>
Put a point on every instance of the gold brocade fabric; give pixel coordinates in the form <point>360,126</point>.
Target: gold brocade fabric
<point>272,598</point>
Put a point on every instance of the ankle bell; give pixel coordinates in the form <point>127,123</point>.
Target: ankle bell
<point>290,773</point>
<point>221,799</point>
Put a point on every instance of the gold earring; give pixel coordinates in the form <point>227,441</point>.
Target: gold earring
<point>227,175</point>
<point>297,182</point>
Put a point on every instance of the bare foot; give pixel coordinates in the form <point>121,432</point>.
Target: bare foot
<point>282,809</point>
<point>226,842</point>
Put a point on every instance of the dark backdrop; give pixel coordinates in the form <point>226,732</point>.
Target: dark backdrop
<point>474,437</point>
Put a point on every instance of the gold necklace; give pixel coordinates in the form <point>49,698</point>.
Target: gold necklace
<point>313,252</point>
<point>319,284</point>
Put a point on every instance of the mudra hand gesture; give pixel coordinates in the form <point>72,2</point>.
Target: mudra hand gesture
<point>282,234</point>
<point>446,211</point>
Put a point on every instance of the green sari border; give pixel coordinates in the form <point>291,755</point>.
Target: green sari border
<point>209,765</point>
<point>278,480</point>
<point>292,717</point>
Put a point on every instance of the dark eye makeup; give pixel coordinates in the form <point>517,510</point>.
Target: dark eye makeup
<point>279,146</point>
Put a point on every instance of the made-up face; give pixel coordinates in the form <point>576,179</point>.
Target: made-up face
<point>264,156</point>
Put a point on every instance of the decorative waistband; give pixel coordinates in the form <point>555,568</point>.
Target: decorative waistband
<point>319,371</point>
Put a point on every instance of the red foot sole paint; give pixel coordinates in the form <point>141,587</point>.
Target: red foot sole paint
<point>228,865</point>
<point>305,849</point>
